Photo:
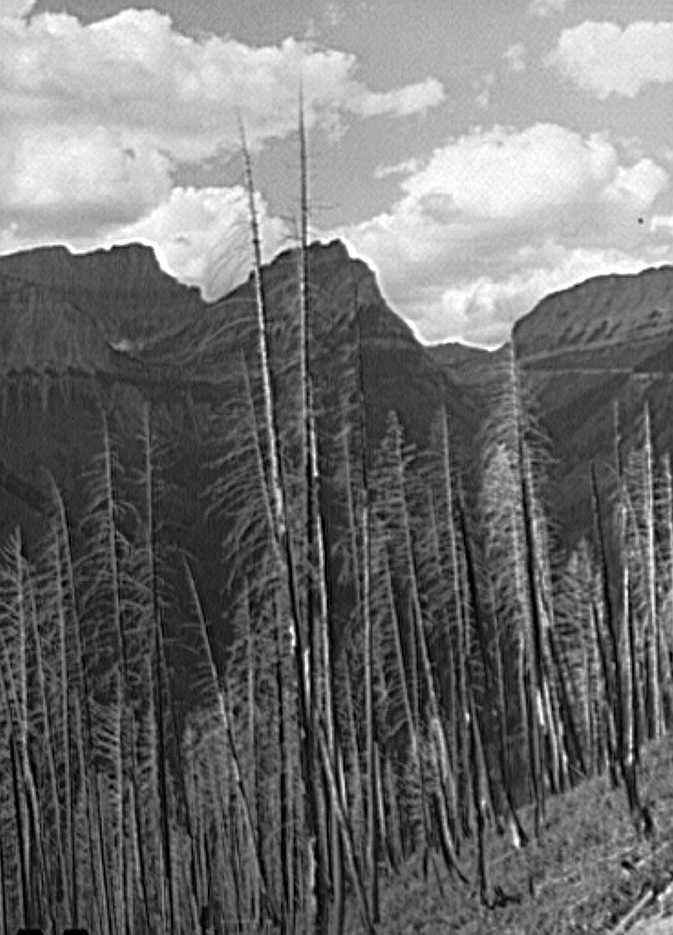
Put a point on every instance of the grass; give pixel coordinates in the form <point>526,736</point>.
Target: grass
<point>590,868</point>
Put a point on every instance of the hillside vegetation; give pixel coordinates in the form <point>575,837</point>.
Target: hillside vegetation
<point>271,662</point>
<point>592,871</point>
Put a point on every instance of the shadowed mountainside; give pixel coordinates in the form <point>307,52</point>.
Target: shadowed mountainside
<point>78,329</point>
<point>72,350</point>
<point>122,291</point>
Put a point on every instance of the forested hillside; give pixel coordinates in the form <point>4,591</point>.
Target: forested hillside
<point>292,606</point>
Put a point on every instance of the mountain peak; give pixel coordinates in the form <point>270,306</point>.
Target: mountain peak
<point>603,312</point>
<point>321,255</point>
<point>122,288</point>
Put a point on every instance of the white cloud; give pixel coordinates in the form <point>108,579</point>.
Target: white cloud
<point>485,308</point>
<point>547,7</point>
<point>603,58</point>
<point>61,182</point>
<point>496,218</point>
<point>13,9</point>
<point>662,223</point>
<point>96,117</point>
<point>406,167</point>
<point>504,174</point>
<point>515,57</point>
<point>402,102</point>
<point>135,70</point>
<point>202,236</point>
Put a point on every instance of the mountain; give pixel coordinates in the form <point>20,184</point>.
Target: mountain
<point>115,314</point>
<point>144,404</point>
<point>469,366</point>
<point>604,315</point>
<point>399,373</point>
<point>87,341</point>
<point>123,291</point>
<point>601,350</point>
<point>112,327</point>
<point>602,347</point>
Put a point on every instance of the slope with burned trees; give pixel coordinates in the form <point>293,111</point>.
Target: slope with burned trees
<point>272,633</point>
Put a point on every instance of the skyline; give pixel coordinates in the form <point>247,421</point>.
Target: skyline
<point>478,157</point>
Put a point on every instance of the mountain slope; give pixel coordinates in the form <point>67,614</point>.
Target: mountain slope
<point>586,874</point>
<point>122,289</point>
<point>602,347</point>
<point>109,330</point>
<point>614,313</point>
<point>73,327</point>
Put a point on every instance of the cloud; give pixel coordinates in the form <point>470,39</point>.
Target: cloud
<point>603,59</point>
<point>494,219</point>
<point>515,57</point>
<point>202,236</point>
<point>547,7</point>
<point>484,85</point>
<point>127,99</point>
<point>662,223</point>
<point>484,309</point>
<point>406,167</point>
<point>14,9</point>
<point>65,184</point>
<point>412,99</point>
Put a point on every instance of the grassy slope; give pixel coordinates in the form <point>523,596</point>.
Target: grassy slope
<point>590,868</point>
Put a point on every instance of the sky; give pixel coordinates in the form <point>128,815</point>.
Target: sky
<point>478,154</point>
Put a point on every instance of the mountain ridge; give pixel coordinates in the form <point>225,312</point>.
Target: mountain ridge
<point>116,318</point>
<point>122,287</point>
<point>650,290</point>
<point>60,361</point>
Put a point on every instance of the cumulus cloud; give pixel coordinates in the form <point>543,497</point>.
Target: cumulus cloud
<point>485,308</point>
<point>135,70</point>
<point>97,117</point>
<point>202,236</point>
<point>515,57</point>
<point>496,218</point>
<point>67,184</point>
<point>604,58</point>
<point>547,7</point>
<point>15,8</point>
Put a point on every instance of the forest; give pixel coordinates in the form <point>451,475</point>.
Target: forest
<point>391,658</point>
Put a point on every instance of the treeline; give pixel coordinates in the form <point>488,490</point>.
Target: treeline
<point>412,660</point>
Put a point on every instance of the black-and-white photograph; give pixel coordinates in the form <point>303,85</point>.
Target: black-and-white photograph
<point>336,483</point>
